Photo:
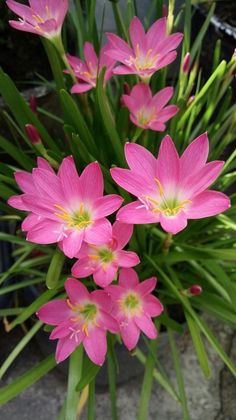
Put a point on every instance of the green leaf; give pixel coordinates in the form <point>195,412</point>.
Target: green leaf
<point>29,378</point>
<point>90,370</point>
<point>21,110</point>
<point>20,157</point>
<point>55,268</point>
<point>198,345</point>
<point>19,347</point>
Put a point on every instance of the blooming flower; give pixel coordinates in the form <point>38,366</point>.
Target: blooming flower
<point>170,189</point>
<point>82,318</point>
<point>44,17</point>
<point>147,111</point>
<point>65,208</point>
<point>87,72</point>
<point>134,306</point>
<point>149,52</point>
<point>104,260</point>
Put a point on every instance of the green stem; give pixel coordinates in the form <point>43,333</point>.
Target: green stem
<point>55,269</point>
<point>137,134</point>
<point>60,48</point>
<point>147,382</point>
<point>167,243</point>
<point>75,372</point>
<point>91,400</point>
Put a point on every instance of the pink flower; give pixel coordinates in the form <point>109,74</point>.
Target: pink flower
<point>149,111</point>
<point>83,318</point>
<point>170,189</point>
<point>87,72</point>
<point>44,17</point>
<point>104,260</point>
<point>134,306</point>
<point>149,52</point>
<point>65,208</point>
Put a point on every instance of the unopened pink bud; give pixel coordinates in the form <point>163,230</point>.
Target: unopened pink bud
<point>164,10</point>
<point>195,290</point>
<point>186,63</point>
<point>33,104</point>
<point>126,88</point>
<point>33,134</point>
<point>191,99</point>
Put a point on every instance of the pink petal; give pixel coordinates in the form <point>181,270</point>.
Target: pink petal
<point>30,222</point>
<point>136,213</point>
<point>127,259</point>
<point>122,70</point>
<point>122,233</point>
<point>90,55</point>
<point>157,126</point>
<point>103,277</point>
<point>202,179</point>
<point>43,163</point>
<point>72,242</point>
<point>65,347</point>
<point>130,334</point>
<point>115,292</point>
<point>128,278</point>
<point>70,181</point>
<point>146,326</point>
<point>42,207</point>
<point>137,34</point>
<point>62,330</point>
<point>76,291</point>
<point>92,181</point>
<point>156,32</point>
<point>45,232</point>
<point>25,27</point>
<point>54,312</point>
<point>140,160</point>
<point>99,233</point>
<point>25,182</point>
<point>169,43</point>
<point>102,299</point>
<point>81,87</point>
<point>48,184</point>
<point>168,164</point>
<point>117,44</point>
<point>104,206</point>
<point>208,203</point>
<point>141,93</point>
<point>130,181</point>
<point>162,97</point>
<point>194,156</point>
<point>152,306</point>
<point>82,268</point>
<point>173,224</point>
<point>167,113</point>
<point>25,12</point>
<point>95,346</point>
<point>107,322</point>
<point>166,59</point>
<point>147,286</point>
<point>17,202</point>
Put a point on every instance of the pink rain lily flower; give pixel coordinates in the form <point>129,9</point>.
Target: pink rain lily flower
<point>134,306</point>
<point>170,189</point>
<point>65,207</point>
<point>41,17</point>
<point>149,111</point>
<point>149,51</point>
<point>82,318</point>
<point>104,260</point>
<point>88,71</point>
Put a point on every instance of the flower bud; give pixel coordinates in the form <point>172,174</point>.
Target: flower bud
<point>33,134</point>
<point>186,63</point>
<point>126,88</point>
<point>33,104</point>
<point>195,290</point>
<point>191,99</point>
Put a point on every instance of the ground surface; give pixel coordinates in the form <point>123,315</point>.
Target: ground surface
<point>208,400</point>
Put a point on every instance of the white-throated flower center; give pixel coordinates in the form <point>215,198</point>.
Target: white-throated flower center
<point>145,116</point>
<point>104,255</point>
<point>130,304</point>
<point>79,219</point>
<point>143,61</point>
<point>166,206</point>
<point>86,314</point>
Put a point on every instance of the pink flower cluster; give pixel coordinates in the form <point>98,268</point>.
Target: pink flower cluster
<point>84,317</point>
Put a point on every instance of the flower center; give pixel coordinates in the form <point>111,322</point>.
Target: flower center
<point>103,255</point>
<point>39,20</point>
<point>86,314</point>
<point>130,304</point>
<point>167,207</point>
<point>145,116</point>
<point>142,61</point>
<point>79,219</point>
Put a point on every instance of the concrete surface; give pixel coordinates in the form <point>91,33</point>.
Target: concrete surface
<point>212,399</point>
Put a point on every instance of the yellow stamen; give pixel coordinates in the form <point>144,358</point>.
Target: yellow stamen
<point>161,191</point>
<point>48,12</point>
<point>85,329</point>
<point>38,18</point>
<point>94,257</point>
<point>73,220</point>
